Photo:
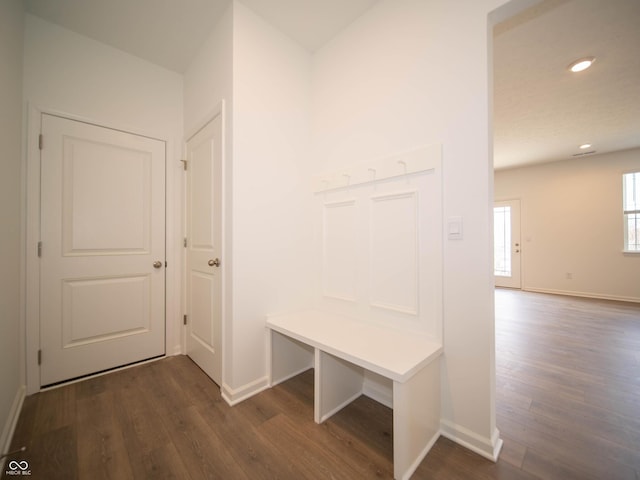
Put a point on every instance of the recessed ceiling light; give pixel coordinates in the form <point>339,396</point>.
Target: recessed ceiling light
<point>584,146</point>
<point>581,64</point>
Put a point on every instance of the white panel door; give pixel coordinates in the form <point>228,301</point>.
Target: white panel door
<point>102,229</point>
<point>506,243</point>
<point>204,248</point>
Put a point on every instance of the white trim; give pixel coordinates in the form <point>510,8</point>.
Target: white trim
<point>326,206</point>
<point>218,109</point>
<point>486,447</point>
<point>32,273</point>
<point>415,196</point>
<point>570,293</point>
<point>92,121</point>
<point>10,425</point>
<point>497,443</point>
<point>234,396</point>
<point>173,249</point>
<point>221,109</point>
<point>406,163</point>
<point>32,236</point>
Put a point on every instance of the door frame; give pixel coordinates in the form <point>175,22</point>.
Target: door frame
<point>225,254</point>
<point>31,229</point>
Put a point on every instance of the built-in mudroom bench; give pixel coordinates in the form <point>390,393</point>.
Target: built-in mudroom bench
<point>375,325</point>
<point>340,350</point>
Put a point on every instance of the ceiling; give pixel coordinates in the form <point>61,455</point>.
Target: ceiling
<point>165,32</point>
<point>541,111</point>
<point>312,23</point>
<point>170,32</point>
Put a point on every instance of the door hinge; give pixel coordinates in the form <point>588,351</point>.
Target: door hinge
<point>184,164</point>
<point>184,242</point>
<point>39,357</point>
<point>39,249</point>
<point>40,141</point>
<point>184,319</point>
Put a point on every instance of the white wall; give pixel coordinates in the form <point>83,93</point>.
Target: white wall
<point>209,78</point>
<point>272,228</point>
<point>571,222</point>
<point>80,76</point>
<point>68,73</point>
<point>11,364</point>
<point>411,73</point>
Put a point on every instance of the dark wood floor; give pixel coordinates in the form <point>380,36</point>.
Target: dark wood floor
<point>568,407</point>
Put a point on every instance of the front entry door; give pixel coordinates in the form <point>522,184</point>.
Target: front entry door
<point>506,243</point>
<point>204,248</point>
<point>102,265</point>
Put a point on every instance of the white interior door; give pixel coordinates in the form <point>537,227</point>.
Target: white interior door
<point>102,228</point>
<point>506,243</point>
<point>204,248</point>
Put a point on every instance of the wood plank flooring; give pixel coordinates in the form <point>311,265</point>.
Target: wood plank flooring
<point>568,407</point>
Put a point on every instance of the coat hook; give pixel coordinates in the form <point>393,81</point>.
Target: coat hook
<point>404,165</point>
<point>373,170</point>
<point>348,177</point>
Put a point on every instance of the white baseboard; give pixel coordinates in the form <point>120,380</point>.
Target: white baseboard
<point>234,396</point>
<point>9,427</point>
<point>571,293</point>
<point>487,447</point>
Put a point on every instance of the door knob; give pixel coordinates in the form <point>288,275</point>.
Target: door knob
<point>157,264</point>
<point>214,263</point>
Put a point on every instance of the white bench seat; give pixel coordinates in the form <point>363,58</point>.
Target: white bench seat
<point>340,349</point>
<point>390,353</point>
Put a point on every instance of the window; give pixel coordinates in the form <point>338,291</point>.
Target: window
<point>631,209</point>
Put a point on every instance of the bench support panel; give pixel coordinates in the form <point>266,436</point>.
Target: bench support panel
<point>416,419</point>
<point>287,357</point>
<point>337,384</point>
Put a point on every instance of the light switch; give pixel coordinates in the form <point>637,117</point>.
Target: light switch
<point>454,228</point>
